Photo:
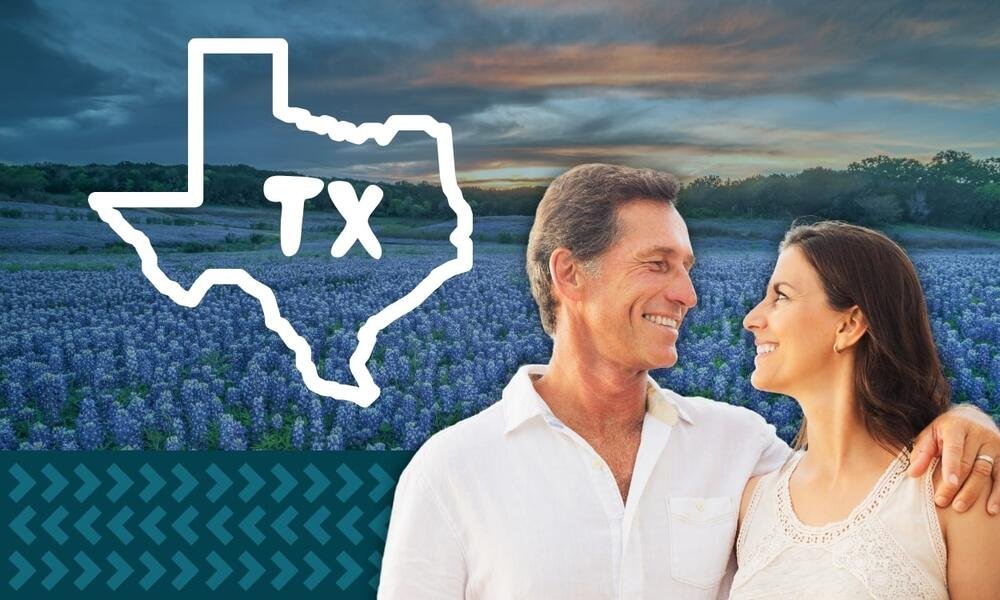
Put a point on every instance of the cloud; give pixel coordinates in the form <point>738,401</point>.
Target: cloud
<point>42,81</point>
<point>678,67</point>
<point>734,52</point>
<point>526,85</point>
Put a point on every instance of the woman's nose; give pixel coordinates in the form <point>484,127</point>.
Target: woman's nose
<point>753,320</point>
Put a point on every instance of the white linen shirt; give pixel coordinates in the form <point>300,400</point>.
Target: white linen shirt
<point>511,503</point>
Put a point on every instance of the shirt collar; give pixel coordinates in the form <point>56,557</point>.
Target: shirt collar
<point>521,402</point>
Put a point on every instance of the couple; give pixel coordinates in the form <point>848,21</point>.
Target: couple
<point>587,480</point>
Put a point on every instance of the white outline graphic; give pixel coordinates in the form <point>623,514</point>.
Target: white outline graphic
<point>107,203</point>
<point>356,213</point>
<point>291,193</point>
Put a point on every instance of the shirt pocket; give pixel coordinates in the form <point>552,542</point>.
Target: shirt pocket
<point>702,531</point>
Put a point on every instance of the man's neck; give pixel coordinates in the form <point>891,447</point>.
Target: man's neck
<point>595,398</point>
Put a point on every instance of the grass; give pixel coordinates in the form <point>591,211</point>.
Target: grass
<point>928,229</point>
<point>57,266</point>
<point>248,231</point>
<point>924,236</point>
<point>217,362</point>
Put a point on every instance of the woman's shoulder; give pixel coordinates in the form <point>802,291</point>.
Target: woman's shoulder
<point>748,492</point>
<point>757,486</point>
<point>933,479</point>
<point>973,517</point>
<point>971,539</point>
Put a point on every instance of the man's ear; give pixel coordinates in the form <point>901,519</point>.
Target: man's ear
<point>566,274</point>
<point>852,328</point>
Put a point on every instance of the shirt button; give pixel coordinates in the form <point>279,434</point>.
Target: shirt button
<point>700,505</point>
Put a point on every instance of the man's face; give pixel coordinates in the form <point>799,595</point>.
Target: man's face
<point>633,307</point>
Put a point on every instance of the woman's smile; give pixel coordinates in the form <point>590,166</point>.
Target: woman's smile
<point>764,350</point>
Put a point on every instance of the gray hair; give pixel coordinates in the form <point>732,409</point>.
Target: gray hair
<point>579,212</point>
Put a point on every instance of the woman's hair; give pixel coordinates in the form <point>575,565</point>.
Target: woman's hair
<point>899,385</point>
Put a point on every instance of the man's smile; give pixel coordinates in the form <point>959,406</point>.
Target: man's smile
<point>662,320</point>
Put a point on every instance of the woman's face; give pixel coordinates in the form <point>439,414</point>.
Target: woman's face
<point>794,329</point>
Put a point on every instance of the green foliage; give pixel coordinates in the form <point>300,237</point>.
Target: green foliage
<point>879,210</point>
<point>21,180</point>
<point>952,189</point>
<point>988,201</point>
<point>197,247</point>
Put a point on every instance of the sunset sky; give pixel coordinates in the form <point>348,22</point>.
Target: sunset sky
<point>529,88</point>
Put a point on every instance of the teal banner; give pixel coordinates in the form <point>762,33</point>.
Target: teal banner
<point>162,524</point>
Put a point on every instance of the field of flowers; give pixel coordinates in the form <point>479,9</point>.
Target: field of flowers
<point>96,358</point>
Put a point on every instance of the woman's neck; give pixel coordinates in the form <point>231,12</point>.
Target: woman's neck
<point>839,444</point>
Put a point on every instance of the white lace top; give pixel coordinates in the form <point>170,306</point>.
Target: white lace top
<point>890,546</point>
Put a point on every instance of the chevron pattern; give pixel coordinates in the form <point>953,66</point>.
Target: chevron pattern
<point>251,524</point>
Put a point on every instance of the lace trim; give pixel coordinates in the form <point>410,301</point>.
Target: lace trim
<point>875,557</point>
<point>933,526</point>
<point>769,547</point>
<point>748,517</point>
<point>831,532</point>
<point>870,554</point>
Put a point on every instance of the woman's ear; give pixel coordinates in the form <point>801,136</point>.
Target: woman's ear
<point>852,328</point>
<point>567,277</point>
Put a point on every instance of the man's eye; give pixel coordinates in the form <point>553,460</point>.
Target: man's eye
<point>780,296</point>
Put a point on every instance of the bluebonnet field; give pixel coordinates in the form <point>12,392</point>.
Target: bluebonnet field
<point>93,357</point>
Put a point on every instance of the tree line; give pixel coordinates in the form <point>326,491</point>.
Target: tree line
<point>241,185</point>
<point>952,189</point>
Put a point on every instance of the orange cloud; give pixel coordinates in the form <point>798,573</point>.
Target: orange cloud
<point>537,165</point>
<point>617,65</point>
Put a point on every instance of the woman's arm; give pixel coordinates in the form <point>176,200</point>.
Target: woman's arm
<point>747,495</point>
<point>973,540</point>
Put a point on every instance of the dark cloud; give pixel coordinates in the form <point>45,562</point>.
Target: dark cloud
<point>102,82</point>
<point>42,81</point>
<point>19,10</point>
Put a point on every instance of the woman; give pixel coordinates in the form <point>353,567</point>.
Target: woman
<point>843,329</point>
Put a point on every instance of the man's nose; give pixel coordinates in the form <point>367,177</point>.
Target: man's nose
<point>683,291</point>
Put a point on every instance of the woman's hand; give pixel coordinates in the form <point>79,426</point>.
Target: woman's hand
<point>958,437</point>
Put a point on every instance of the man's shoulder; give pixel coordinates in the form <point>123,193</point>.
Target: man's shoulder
<point>733,429</point>
<point>472,438</point>
<point>706,412</point>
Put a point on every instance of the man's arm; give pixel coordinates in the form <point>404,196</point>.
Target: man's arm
<point>423,557</point>
<point>958,437</point>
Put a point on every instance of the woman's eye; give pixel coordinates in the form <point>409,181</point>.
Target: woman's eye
<point>780,296</point>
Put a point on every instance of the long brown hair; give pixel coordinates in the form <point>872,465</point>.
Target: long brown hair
<point>899,385</point>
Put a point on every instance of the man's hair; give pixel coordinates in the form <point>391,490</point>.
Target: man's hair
<point>899,384</point>
<point>579,212</point>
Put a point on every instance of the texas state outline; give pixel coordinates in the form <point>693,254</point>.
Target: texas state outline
<point>107,204</point>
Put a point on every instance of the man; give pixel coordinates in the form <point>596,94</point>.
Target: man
<point>587,480</point>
